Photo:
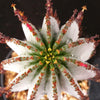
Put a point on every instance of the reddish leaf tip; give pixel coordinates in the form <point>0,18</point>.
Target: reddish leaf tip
<point>3,38</point>
<point>49,8</point>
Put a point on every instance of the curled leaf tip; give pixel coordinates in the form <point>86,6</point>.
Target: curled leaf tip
<point>19,13</point>
<point>84,8</point>
<point>13,6</point>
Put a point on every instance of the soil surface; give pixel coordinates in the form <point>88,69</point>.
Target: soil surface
<point>35,11</point>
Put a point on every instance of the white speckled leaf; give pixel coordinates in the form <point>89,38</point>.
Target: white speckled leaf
<point>67,87</point>
<point>28,34</point>
<point>54,26</point>
<point>16,66</point>
<point>49,89</point>
<point>40,90</point>
<point>18,48</point>
<point>80,72</point>
<point>72,33</point>
<point>25,82</point>
<point>83,51</point>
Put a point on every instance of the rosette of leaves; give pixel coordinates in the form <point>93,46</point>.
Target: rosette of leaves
<point>51,60</point>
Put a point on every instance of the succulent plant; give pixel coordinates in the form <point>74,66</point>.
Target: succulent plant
<point>50,60</point>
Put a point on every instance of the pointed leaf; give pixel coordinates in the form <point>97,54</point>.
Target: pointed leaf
<point>16,64</point>
<point>80,70</point>
<point>69,84</point>
<point>72,33</point>
<point>21,77</point>
<point>20,47</point>
<point>36,86</point>
<point>80,50</point>
<point>31,33</point>
<point>53,25</point>
<point>53,88</point>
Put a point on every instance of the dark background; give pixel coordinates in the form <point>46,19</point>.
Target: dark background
<point>35,11</point>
